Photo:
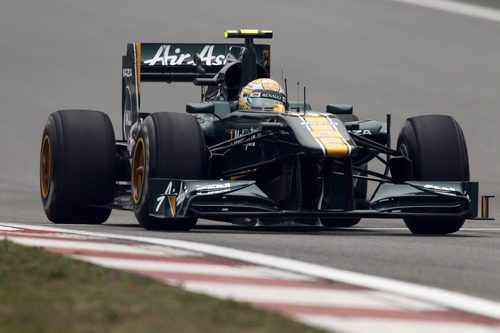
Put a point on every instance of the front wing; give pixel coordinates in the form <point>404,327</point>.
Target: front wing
<point>225,199</point>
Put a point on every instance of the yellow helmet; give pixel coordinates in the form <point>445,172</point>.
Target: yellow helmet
<point>262,94</point>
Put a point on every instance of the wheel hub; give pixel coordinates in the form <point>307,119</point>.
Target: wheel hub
<point>138,164</point>
<point>45,167</point>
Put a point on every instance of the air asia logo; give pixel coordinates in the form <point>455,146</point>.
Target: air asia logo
<point>175,197</point>
<point>165,56</point>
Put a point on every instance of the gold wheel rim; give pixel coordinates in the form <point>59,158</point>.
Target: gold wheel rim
<point>138,169</point>
<point>45,167</point>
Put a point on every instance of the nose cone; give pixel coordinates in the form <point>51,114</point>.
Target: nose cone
<point>321,133</point>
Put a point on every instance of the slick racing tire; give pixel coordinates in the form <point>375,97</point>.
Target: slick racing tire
<point>169,145</point>
<point>77,167</point>
<point>436,146</point>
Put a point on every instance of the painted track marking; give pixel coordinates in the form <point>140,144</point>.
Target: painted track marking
<point>298,289</point>
<point>430,294</point>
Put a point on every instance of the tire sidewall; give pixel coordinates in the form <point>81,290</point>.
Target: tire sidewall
<point>437,148</point>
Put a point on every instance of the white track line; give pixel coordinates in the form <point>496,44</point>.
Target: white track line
<point>485,13</point>
<point>430,294</point>
<point>66,243</point>
<point>250,271</point>
<point>2,228</point>
<point>309,296</point>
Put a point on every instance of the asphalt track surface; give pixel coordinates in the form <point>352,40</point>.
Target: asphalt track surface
<point>382,56</point>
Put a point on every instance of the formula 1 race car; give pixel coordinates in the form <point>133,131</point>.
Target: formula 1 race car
<point>248,165</point>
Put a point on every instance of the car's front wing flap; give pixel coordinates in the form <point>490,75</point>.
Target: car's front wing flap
<point>176,198</point>
<point>427,196</point>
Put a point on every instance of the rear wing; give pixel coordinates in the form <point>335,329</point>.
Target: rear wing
<point>178,62</point>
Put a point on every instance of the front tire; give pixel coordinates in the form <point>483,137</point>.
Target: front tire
<point>436,146</point>
<point>77,169</point>
<point>169,145</point>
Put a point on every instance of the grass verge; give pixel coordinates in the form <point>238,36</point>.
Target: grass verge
<point>46,292</point>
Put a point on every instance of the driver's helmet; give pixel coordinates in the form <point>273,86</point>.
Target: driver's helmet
<point>261,94</point>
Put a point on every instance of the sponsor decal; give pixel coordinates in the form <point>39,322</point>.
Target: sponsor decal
<point>440,188</point>
<point>361,132</point>
<point>127,72</point>
<point>252,85</point>
<point>213,188</point>
<point>182,195</point>
<point>166,55</point>
<point>236,133</point>
<point>325,132</point>
<point>171,194</point>
<point>271,94</point>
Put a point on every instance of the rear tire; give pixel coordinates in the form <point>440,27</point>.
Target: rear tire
<point>436,146</point>
<point>169,145</point>
<point>77,167</point>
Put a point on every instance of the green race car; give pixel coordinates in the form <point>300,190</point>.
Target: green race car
<point>227,161</point>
